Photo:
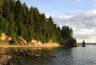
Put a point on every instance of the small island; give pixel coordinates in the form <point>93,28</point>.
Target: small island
<point>83,44</point>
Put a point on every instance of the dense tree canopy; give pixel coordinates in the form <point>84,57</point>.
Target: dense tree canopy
<point>16,19</point>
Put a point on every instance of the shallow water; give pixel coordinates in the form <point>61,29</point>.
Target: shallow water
<point>64,56</point>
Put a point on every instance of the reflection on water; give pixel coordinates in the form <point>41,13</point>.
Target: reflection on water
<point>64,56</point>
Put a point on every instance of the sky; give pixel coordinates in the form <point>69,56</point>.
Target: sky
<point>78,14</point>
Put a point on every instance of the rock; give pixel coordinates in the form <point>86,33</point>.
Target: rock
<point>5,38</point>
<point>5,60</point>
<point>28,53</point>
<point>22,41</point>
<point>25,53</point>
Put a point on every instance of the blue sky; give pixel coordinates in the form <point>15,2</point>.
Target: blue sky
<point>61,7</point>
<point>78,14</point>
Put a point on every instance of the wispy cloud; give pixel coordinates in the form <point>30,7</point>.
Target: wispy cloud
<point>83,24</point>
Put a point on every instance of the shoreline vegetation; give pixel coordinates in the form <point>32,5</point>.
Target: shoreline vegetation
<point>22,26</point>
<point>5,42</point>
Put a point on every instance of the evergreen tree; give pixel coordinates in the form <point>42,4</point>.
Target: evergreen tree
<point>17,20</point>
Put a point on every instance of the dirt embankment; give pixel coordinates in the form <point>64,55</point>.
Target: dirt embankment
<point>23,43</point>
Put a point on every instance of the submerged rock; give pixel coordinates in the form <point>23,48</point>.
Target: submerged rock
<point>28,53</point>
<point>23,52</point>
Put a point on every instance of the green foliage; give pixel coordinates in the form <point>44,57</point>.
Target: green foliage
<point>17,20</point>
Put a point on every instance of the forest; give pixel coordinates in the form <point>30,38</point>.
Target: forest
<point>18,20</point>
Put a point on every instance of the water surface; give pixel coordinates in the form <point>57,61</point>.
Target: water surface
<point>64,56</point>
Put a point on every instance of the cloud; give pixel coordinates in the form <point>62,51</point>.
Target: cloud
<point>83,24</point>
<point>64,17</point>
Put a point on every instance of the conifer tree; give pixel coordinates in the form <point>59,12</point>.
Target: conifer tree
<point>17,20</point>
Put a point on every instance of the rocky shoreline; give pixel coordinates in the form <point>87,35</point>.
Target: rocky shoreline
<point>28,53</point>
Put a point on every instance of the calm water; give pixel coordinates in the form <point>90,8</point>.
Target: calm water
<point>64,56</point>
